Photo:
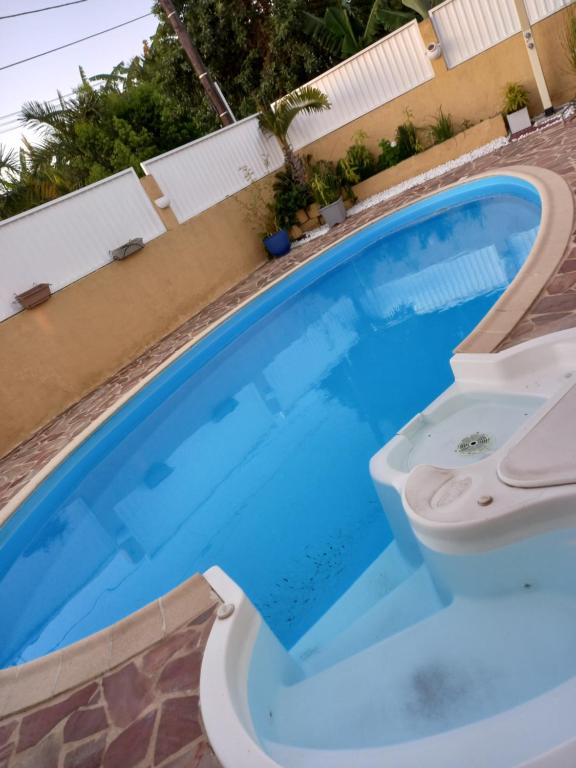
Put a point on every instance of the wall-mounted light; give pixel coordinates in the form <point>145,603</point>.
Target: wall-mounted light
<point>433,51</point>
<point>162,202</point>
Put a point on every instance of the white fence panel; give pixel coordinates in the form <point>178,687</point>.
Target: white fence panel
<point>387,69</point>
<point>540,9</point>
<point>66,239</point>
<point>465,28</point>
<point>198,175</point>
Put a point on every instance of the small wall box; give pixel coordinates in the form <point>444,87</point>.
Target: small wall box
<point>127,249</point>
<point>34,296</point>
<point>433,51</point>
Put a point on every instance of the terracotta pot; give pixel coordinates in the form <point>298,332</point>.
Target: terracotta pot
<point>34,296</point>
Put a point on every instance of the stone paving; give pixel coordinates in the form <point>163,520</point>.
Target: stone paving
<point>145,713</point>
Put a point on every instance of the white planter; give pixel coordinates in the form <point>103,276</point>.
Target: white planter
<point>519,121</point>
<point>335,213</point>
<point>434,51</point>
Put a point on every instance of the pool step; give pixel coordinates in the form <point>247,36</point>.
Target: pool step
<point>389,596</point>
<point>439,692</point>
<point>410,602</point>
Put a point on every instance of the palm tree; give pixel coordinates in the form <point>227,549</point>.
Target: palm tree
<point>278,118</point>
<point>343,34</point>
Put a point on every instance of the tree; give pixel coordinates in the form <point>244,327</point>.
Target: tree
<point>109,123</point>
<point>347,27</point>
<point>277,120</point>
<point>256,51</point>
<point>343,32</point>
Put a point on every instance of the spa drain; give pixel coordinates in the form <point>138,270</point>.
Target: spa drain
<point>478,442</point>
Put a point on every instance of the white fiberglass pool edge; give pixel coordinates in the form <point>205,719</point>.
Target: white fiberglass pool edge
<point>539,733</point>
<point>224,682</point>
<point>224,679</point>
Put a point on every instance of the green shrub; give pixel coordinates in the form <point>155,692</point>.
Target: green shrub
<point>515,98</point>
<point>289,197</point>
<point>325,183</point>
<point>388,154</point>
<point>442,128</point>
<point>407,142</point>
<point>358,163</point>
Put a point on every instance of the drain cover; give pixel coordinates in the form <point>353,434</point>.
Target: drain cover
<point>478,442</point>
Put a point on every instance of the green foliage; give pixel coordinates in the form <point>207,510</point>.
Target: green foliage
<point>388,155</point>
<point>325,183</point>
<point>290,196</point>
<point>255,49</point>
<point>343,30</point>
<point>421,7</point>
<point>277,120</point>
<point>515,98</point>
<point>442,128</point>
<point>407,142</point>
<point>358,163</point>
<point>109,123</point>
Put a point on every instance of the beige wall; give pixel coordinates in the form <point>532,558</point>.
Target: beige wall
<point>51,356</point>
<point>477,136</point>
<point>472,91</point>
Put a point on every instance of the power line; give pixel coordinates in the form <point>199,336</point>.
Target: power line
<point>74,42</point>
<point>39,10</point>
<point>42,101</point>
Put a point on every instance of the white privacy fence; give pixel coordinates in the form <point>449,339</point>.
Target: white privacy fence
<point>61,241</point>
<point>468,27</point>
<point>387,69</point>
<point>200,174</point>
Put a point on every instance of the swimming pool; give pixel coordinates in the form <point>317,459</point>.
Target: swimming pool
<point>251,450</point>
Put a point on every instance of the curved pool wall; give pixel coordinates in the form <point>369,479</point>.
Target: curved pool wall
<point>251,450</point>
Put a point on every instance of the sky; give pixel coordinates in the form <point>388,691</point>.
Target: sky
<point>40,79</point>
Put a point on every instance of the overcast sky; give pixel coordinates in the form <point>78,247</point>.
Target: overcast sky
<point>42,78</point>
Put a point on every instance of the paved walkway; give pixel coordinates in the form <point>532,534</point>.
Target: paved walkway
<point>145,713</point>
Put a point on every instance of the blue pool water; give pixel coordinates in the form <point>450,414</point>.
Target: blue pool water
<point>251,451</point>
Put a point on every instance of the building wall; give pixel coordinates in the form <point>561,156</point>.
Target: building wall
<point>55,354</point>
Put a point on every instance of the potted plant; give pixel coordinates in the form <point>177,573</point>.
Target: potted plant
<point>275,237</point>
<point>516,108</point>
<point>261,215</point>
<point>326,187</point>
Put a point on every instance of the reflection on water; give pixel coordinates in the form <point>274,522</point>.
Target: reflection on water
<point>258,462</point>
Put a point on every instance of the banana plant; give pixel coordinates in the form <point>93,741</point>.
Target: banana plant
<point>421,7</point>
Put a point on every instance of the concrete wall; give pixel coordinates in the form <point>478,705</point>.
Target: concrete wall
<point>53,355</point>
<point>50,357</point>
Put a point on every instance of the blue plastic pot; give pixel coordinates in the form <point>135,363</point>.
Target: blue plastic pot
<point>278,244</point>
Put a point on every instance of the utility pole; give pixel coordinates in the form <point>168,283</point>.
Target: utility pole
<point>213,93</point>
